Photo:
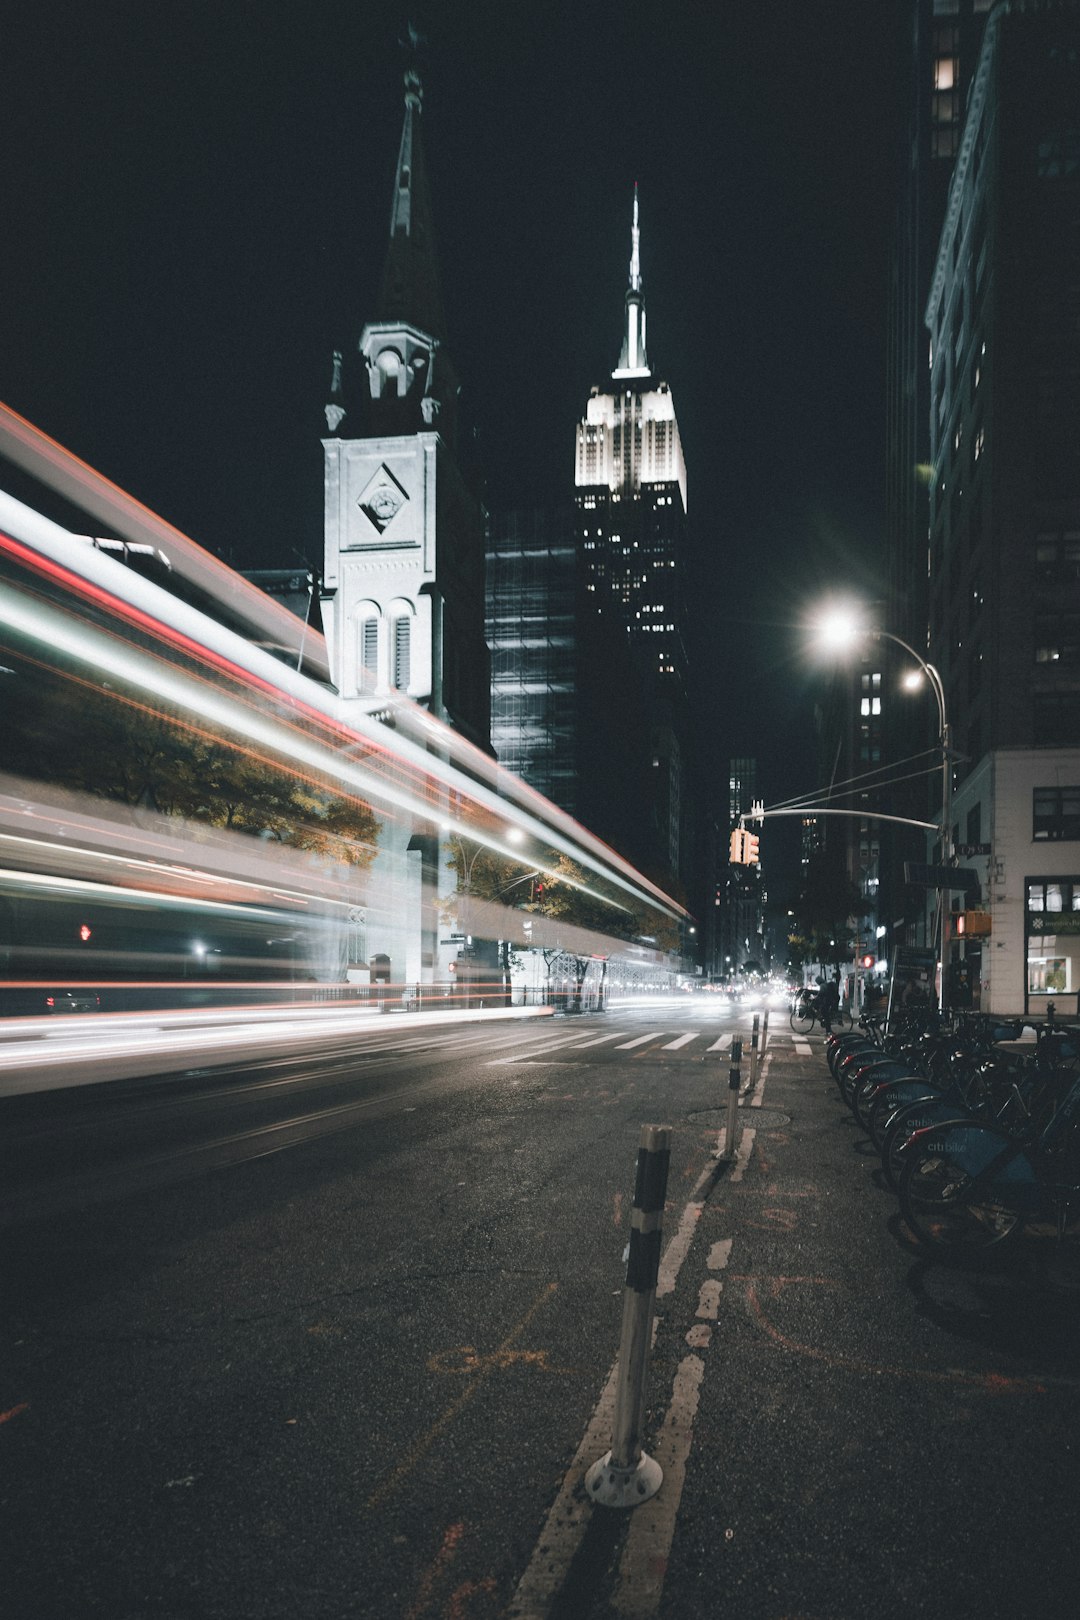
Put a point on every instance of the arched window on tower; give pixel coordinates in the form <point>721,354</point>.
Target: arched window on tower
<point>369,653</point>
<point>402,653</point>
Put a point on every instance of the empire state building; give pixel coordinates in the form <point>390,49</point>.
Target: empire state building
<point>630,479</point>
<point>631,498</point>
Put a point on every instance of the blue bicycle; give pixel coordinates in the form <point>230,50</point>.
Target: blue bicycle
<point>968,1185</point>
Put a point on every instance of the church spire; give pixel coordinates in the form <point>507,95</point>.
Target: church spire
<point>633,361</point>
<point>411,289</point>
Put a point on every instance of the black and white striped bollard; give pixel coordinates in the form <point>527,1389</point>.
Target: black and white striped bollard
<point>731,1134</point>
<point>626,1475</point>
<point>754,1052</point>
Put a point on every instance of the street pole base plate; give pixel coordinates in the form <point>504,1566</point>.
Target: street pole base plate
<point>609,1486</point>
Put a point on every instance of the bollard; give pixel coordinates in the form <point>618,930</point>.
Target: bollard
<point>754,1054</point>
<point>731,1136</point>
<point>765,1032</point>
<point>626,1476</point>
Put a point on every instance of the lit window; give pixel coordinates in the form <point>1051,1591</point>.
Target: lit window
<point>945,73</point>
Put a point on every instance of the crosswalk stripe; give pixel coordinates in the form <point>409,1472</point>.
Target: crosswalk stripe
<point>530,1052</point>
<point>682,1040</point>
<point>598,1040</point>
<point>721,1045</point>
<point>639,1040</point>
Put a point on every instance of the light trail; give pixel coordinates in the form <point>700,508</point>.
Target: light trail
<point>99,650</point>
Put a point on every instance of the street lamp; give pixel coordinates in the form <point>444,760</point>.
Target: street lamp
<point>843,630</point>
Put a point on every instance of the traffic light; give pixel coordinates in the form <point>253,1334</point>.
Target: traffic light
<point>737,846</point>
<point>751,849</point>
<point>866,961</point>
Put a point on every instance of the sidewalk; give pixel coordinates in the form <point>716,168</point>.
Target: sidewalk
<point>873,1433</point>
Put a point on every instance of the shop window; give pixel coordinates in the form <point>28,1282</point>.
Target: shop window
<point>1049,896</point>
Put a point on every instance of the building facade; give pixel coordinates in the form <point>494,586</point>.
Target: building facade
<point>1003,319</point>
<point>944,40</point>
<point>556,659</point>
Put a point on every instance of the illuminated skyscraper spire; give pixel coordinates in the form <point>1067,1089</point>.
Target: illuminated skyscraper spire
<point>633,361</point>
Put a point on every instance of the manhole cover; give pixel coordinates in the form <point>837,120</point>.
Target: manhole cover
<point>770,1118</point>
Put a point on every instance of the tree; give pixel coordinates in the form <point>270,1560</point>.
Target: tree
<point>92,738</point>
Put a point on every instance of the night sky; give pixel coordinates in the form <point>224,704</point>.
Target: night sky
<point>194,203</point>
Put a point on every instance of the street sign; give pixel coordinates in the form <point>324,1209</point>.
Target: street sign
<point>963,878</point>
<point>967,850</point>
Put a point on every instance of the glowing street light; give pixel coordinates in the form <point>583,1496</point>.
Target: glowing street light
<point>841,628</point>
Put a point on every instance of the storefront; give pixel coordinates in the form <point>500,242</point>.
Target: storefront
<point>1052,928</point>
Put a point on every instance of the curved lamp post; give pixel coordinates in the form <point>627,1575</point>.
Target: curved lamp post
<point>841,630</point>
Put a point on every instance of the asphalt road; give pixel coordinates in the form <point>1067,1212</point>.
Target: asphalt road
<point>334,1338</point>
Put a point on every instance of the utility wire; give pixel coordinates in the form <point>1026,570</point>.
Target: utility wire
<point>867,778</point>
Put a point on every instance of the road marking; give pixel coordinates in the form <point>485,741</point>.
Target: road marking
<point>644,1562</point>
<point>639,1040</point>
<point>989,1383</point>
<point>708,1305</point>
<point>420,1447</point>
<point>682,1040</point>
<point>802,1049</point>
<point>535,1051</point>
<point>598,1040</point>
<point>565,1524</point>
<point>721,1045</point>
<point>652,1526</point>
<point>759,1089</point>
<point>466,1359</point>
<point>720,1255</point>
<point>677,1250</point>
<point>443,1558</point>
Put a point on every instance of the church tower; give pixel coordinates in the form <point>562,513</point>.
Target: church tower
<point>403,573</point>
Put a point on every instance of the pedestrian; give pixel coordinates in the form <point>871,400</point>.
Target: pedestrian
<point>830,1003</point>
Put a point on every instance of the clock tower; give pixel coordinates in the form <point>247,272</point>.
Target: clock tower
<point>403,559</point>
<point>403,572</point>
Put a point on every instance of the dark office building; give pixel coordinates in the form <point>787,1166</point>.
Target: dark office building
<point>569,706</point>
<point>1003,317</point>
<point>945,36</point>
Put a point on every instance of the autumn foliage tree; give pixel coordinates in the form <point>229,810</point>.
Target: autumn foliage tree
<point>115,749</point>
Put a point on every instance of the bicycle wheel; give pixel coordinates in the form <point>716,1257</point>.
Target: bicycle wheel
<point>892,1102</point>
<point>901,1127</point>
<point>802,1018</point>
<point>964,1188</point>
<point>842,1019</point>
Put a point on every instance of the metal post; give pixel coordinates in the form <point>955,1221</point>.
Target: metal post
<point>764,1032</point>
<point>626,1476</point>
<point>731,1134</point>
<point>754,1052</point>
